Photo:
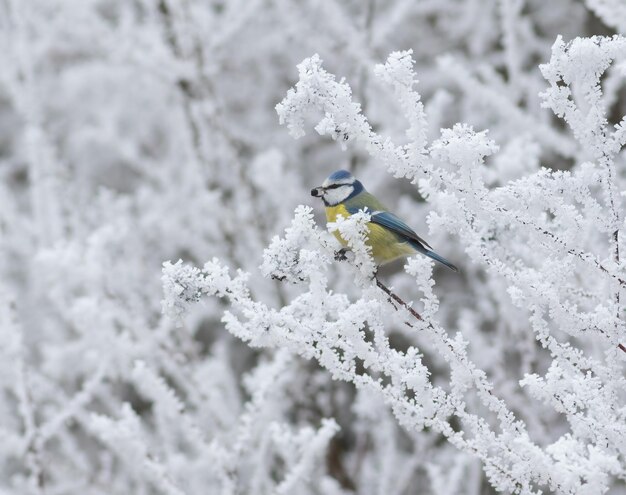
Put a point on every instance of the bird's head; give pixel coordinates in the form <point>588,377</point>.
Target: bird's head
<point>338,187</point>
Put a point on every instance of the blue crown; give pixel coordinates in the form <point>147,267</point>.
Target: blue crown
<point>340,175</point>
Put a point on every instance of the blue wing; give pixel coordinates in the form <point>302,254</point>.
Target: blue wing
<point>393,223</point>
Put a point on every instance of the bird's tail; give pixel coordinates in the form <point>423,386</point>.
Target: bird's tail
<point>436,257</point>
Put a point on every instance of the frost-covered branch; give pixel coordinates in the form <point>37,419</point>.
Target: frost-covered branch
<point>523,233</point>
<point>137,132</point>
<point>325,326</point>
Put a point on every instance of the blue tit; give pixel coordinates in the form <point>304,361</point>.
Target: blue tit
<point>389,237</point>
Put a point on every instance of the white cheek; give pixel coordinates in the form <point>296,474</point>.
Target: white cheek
<point>334,196</point>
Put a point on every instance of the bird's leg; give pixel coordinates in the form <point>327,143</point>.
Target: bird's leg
<point>341,254</point>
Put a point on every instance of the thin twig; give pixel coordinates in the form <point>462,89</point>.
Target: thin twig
<point>397,299</point>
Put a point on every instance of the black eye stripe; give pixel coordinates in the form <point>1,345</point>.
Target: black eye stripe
<point>335,186</point>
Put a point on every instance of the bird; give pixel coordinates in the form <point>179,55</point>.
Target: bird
<point>388,236</point>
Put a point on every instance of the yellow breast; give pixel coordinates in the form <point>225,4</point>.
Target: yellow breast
<point>386,246</point>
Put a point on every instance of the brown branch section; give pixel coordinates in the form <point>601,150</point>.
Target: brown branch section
<point>396,298</point>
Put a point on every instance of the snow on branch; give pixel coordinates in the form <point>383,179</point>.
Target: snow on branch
<point>317,372</point>
<point>524,233</point>
<point>575,95</point>
<point>343,120</point>
<point>326,326</point>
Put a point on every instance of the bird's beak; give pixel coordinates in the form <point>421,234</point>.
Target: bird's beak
<point>317,192</point>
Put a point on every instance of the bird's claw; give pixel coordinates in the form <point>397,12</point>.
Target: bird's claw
<point>341,254</point>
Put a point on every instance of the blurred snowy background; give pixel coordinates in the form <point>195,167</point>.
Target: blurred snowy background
<point>133,132</point>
